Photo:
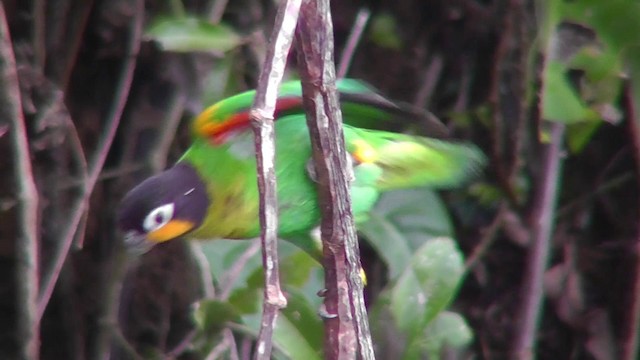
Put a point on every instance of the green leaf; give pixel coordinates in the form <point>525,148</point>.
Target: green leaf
<point>187,34</point>
<point>298,330</point>
<point>578,135</point>
<point>222,254</point>
<point>428,285</point>
<point>212,315</point>
<point>383,31</point>
<point>560,101</point>
<point>296,268</point>
<point>403,221</point>
<point>449,329</point>
<point>247,300</point>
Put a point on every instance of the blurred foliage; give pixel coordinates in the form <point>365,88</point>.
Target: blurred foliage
<point>189,34</point>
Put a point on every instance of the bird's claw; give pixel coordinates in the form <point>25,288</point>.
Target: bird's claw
<point>325,314</point>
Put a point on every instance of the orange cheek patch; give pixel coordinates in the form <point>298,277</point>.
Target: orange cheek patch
<point>170,231</point>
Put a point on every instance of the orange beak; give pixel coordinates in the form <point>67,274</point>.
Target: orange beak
<point>170,231</point>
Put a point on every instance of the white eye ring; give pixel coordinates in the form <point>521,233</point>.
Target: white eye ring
<point>158,217</point>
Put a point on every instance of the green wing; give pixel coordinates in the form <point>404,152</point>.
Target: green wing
<point>360,104</point>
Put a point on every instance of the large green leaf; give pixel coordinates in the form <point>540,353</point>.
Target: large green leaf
<point>428,285</point>
<point>403,221</point>
<point>188,34</point>
<point>560,101</point>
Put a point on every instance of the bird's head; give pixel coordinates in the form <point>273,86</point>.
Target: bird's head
<point>163,207</point>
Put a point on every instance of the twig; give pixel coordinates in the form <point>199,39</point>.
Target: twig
<point>216,10</point>
<point>167,131</point>
<point>346,322</point>
<point>203,265</point>
<point>352,42</point>
<point>429,81</point>
<point>230,276</point>
<point>262,112</point>
<point>228,343</point>
<point>488,237</point>
<point>544,213</point>
<point>38,31</point>
<point>632,327</point>
<point>26,247</point>
<point>97,161</point>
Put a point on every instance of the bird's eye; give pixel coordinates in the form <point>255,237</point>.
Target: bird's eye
<point>158,217</point>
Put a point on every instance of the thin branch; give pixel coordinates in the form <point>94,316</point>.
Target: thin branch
<point>488,238</point>
<point>430,79</point>
<point>39,25</point>
<point>542,229</point>
<point>216,10</point>
<point>631,332</point>
<point>167,131</point>
<point>97,161</point>
<point>352,42</point>
<point>26,247</point>
<point>228,343</point>
<point>262,121</point>
<point>346,322</point>
<point>205,269</point>
<point>230,276</point>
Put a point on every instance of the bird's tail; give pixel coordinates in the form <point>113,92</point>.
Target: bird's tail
<point>410,161</point>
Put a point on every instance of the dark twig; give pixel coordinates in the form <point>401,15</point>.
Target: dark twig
<point>544,214</point>
<point>489,235</point>
<point>429,81</point>
<point>264,107</point>
<point>352,42</point>
<point>123,86</point>
<point>631,332</point>
<point>38,31</point>
<point>346,322</point>
<point>26,247</point>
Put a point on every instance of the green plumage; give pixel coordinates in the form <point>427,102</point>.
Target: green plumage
<point>222,155</point>
<point>401,161</point>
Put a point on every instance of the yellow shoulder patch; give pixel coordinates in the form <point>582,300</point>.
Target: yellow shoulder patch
<point>364,153</point>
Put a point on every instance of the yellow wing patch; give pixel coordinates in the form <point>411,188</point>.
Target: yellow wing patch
<point>364,153</point>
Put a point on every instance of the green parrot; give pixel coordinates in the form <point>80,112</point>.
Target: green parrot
<point>212,193</point>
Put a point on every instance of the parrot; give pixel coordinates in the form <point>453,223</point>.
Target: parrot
<point>211,192</point>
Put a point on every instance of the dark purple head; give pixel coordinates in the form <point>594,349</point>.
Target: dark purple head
<point>163,207</point>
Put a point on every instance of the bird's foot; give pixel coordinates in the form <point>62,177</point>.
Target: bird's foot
<point>325,314</point>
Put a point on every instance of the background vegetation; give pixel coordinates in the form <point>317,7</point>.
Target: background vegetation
<point>107,89</point>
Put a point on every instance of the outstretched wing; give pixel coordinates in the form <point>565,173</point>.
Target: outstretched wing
<point>409,161</point>
<point>361,106</point>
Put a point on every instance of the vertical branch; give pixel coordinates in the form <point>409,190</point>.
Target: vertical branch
<point>631,329</point>
<point>262,120</point>
<point>346,326</point>
<point>544,213</point>
<point>50,276</point>
<point>26,241</point>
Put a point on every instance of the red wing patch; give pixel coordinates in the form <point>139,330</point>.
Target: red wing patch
<point>219,132</point>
